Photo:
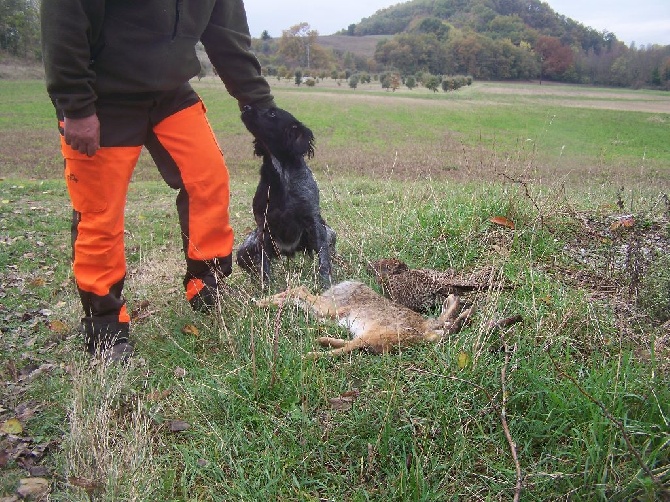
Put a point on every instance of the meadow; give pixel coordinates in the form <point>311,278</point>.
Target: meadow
<point>573,403</point>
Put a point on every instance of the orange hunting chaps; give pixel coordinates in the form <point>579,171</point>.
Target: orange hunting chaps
<point>174,129</point>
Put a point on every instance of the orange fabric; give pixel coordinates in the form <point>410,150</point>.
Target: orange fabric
<point>98,186</point>
<point>193,287</point>
<point>123,314</point>
<point>189,139</point>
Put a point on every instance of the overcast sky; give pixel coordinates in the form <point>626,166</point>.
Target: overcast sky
<point>639,21</point>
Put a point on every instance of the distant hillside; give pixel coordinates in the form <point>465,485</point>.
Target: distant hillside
<point>361,46</point>
<point>503,40</point>
<point>483,39</point>
<point>514,19</point>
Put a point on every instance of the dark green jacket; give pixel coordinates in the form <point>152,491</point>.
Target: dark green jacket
<point>98,48</point>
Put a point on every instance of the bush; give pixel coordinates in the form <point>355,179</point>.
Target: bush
<point>455,82</point>
<point>410,82</point>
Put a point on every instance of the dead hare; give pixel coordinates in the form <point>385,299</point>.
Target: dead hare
<point>375,323</point>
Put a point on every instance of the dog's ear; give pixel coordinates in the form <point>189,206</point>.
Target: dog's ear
<point>299,140</point>
<point>258,148</point>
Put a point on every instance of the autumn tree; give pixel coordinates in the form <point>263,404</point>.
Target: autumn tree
<point>299,48</point>
<point>556,58</point>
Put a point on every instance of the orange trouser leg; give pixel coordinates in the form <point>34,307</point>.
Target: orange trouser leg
<point>203,203</point>
<point>98,186</point>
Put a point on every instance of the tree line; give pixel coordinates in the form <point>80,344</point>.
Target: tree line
<point>436,48</point>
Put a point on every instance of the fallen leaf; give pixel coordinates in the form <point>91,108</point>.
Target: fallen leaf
<point>25,411</point>
<point>90,485</point>
<point>37,282</point>
<point>33,487</point>
<point>462,360</point>
<point>38,471</point>
<point>344,401</point>
<point>189,329</point>
<point>502,221</point>
<point>179,425</point>
<point>142,311</point>
<point>623,222</point>
<point>341,403</point>
<point>158,395</point>
<point>58,327</point>
<point>179,372</point>
<point>11,426</point>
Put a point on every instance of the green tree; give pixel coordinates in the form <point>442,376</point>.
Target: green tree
<point>410,82</point>
<point>432,82</point>
<point>20,28</point>
<point>435,26</point>
<point>412,52</point>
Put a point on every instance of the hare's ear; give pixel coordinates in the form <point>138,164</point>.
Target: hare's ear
<point>300,140</point>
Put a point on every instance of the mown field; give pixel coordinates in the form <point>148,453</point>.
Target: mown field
<point>573,403</point>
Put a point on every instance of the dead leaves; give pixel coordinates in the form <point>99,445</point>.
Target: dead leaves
<point>190,329</point>
<point>345,401</point>
<point>178,425</point>
<point>35,488</point>
<point>91,486</point>
<point>142,311</point>
<point>623,223</point>
<point>503,222</point>
<point>462,360</point>
<point>11,426</point>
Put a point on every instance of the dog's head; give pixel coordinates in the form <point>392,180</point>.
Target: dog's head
<point>278,133</point>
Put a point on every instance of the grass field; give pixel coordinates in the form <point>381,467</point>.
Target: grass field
<point>571,404</point>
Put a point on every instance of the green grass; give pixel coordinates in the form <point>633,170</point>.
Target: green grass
<point>422,427</point>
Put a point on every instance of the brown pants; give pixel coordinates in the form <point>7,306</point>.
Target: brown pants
<point>175,130</point>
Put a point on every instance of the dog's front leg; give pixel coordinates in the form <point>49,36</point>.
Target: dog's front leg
<point>325,247</point>
<point>265,265</point>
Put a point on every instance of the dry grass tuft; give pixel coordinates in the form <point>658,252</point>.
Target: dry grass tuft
<point>108,451</point>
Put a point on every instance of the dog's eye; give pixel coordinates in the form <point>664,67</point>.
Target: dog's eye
<point>272,114</point>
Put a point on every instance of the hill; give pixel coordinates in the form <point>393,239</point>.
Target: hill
<point>361,46</point>
<point>515,19</point>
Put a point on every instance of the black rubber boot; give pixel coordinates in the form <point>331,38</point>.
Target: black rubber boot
<point>107,339</point>
<point>212,273</point>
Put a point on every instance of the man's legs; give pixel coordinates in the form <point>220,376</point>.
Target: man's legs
<point>97,186</point>
<point>189,158</point>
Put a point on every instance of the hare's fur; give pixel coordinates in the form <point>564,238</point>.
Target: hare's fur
<point>375,323</point>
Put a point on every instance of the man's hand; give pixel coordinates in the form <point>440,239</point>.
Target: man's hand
<point>83,134</point>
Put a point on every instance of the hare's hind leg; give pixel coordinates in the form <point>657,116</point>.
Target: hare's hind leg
<point>299,292</point>
<point>342,347</point>
<point>327,341</point>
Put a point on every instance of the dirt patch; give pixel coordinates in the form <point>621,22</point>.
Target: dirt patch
<point>18,70</point>
<point>574,96</point>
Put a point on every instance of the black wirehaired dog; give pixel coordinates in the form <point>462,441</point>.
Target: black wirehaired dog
<point>286,203</point>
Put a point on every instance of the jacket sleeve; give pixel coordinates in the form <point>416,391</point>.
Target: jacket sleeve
<point>70,29</point>
<point>228,45</point>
